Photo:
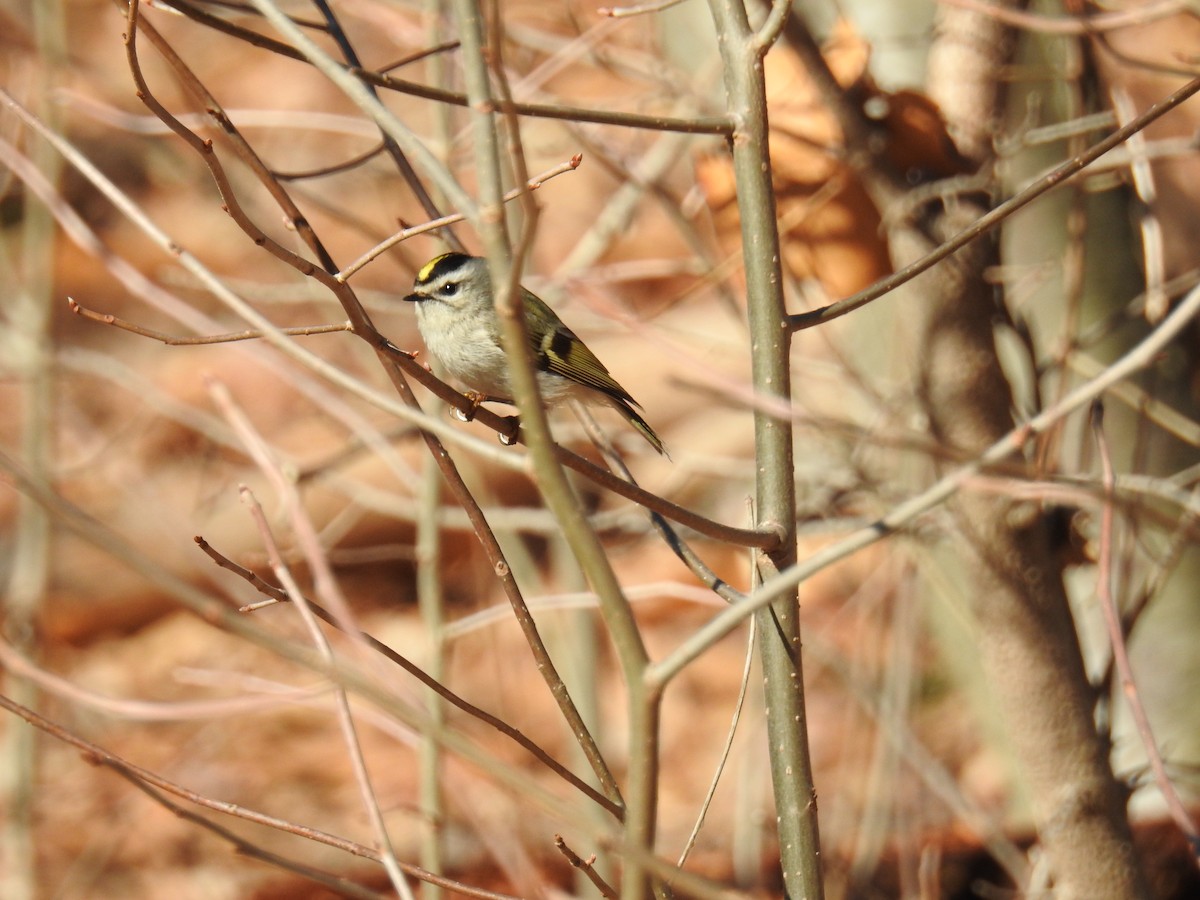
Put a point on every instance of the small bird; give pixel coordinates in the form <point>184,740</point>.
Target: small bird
<point>456,314</point>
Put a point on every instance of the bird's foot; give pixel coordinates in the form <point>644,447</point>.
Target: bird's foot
<point>512,433</point>
<point>476,400</point>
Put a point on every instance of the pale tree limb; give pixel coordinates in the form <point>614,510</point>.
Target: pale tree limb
<point>778,624</point>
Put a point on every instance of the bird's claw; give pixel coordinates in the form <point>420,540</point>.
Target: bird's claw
<point>476,400</point>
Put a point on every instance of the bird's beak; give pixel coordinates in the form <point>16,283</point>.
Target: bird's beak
<point>413,298</point>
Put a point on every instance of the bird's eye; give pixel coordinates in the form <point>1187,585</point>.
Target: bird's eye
<point>449,289</point>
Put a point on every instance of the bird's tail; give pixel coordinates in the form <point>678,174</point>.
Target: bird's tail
<point>641,425</point>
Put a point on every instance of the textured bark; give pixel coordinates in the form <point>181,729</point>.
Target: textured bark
<point>1027,640</point>
<point>967,54</point>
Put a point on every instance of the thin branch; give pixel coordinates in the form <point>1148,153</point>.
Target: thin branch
<point>679,547</point>
<point>714,125</point>
<point>326,587</point>
<point>418,55</point>
<point>622,12</point>
<point>250,334</point>
<point>724,758</point>
<point>431,562</point>
<point>1137,358</point>
<point>15,664</point>
<point>279,595</point>
<point>1116,636</point>
<point>342,886</point>
<point>765,537</point>
<point>332,169</point>
<point>586,866</point>
<point>245,9</point>
<point>29,267</point>
<point>97,755</point>
<point>404,234</point>
<point>995,216</point>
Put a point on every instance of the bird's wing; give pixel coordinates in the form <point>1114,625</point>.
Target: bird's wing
<point>558,350</point>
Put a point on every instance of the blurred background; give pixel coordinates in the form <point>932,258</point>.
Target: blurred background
<point>638,249</point>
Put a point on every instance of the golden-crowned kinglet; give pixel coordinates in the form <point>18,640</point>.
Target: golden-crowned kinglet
<point>457,317</point>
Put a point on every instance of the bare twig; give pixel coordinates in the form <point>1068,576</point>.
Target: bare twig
<point>404,234</point>
<point>719,769</point>
<point>693,125</point>
<point>97,755</point>
<point>326,587</point>
<point>249,334</point>
<point>1116,636</point>
<point>1140,356</point>
<point>516,735</point>
<point>586,866</point>
<point>679,547</point>
<point>332,169</point>
<point>641,9</point>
